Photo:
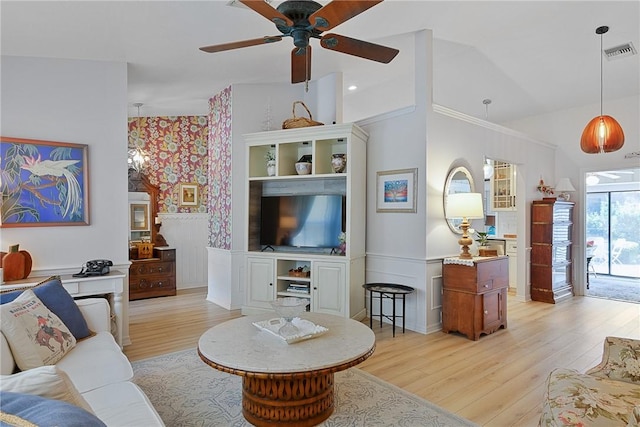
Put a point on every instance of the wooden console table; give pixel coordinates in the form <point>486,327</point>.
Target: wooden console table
<point>111,284</point>
<point>286,384</point>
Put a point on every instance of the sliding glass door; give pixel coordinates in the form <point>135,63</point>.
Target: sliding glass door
<point>613,232</point>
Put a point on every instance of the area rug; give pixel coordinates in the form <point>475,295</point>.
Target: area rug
<point>620,289</point>
<point>187,392</point>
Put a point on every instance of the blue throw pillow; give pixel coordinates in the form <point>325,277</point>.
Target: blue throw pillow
<point>56,298</point>
<point>45,412</point>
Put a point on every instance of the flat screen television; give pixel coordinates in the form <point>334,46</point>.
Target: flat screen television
<point>303,221</point>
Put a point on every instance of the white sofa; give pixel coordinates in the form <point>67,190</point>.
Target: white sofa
<point>99,371</point>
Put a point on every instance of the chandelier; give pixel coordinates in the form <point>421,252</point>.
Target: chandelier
<point>137,157</point>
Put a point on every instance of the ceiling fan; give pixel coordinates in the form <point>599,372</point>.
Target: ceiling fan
<point>306,19</point>
<point>612,174</point>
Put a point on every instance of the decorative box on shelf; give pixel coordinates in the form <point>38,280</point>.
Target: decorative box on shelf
<point>488,252</point>
<point>299,273</point>
<point>145,250</point>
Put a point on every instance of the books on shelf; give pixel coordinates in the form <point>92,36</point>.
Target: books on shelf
<point>298,288</point>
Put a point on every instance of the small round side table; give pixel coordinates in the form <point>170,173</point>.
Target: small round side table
<point>387,291</point>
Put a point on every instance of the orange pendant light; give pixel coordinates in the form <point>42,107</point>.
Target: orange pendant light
<point>603,134</point>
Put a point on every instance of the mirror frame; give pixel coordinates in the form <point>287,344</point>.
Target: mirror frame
<point>137,208</point>
<point>454,224</point>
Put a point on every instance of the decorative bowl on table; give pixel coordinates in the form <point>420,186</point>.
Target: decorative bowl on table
<point>303,168</point>
<point>289,308</point>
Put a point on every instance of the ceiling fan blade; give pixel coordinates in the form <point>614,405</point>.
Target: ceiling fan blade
<point>243,43</point>
<point>608,175</point>
<point>339,11</point>
<point>366,50</point>
<point>268,11</point>
<point>300,64</point>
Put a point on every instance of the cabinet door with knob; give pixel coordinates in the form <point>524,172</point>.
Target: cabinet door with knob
<point>260,280</point>
<point>474,299</point>
<point>329,287</point>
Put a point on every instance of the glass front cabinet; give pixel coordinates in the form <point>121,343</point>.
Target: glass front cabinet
<point>503,186</point>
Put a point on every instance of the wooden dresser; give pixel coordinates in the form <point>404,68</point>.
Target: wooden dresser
<point>474,299</point>
<point>153,277</point>
<point>551,242</point>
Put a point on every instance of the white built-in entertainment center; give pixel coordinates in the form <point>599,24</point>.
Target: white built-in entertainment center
<point>330,279</point>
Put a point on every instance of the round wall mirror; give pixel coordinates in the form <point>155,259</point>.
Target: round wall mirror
<point>459,180</point>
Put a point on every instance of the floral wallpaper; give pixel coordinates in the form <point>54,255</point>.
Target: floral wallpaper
<point>177,149</point>
<point>220,170</point>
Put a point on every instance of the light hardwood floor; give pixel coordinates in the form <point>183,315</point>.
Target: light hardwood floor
<point>495,381</point>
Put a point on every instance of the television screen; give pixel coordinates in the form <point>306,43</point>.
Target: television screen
<point>306,221</point>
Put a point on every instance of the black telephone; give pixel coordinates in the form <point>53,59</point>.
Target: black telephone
<point>95,267</point>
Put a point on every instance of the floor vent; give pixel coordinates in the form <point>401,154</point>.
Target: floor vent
<point>621,51</point>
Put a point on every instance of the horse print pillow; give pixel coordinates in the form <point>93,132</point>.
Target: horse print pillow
<point>37,337</point>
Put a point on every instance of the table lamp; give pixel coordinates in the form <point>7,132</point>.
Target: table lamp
<point>563,187</point>
<point>466,206</point>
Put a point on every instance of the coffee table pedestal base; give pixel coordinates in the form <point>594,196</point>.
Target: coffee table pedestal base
<point>287,400</point>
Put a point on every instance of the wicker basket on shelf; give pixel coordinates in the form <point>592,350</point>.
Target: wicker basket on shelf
<point>300,122</point>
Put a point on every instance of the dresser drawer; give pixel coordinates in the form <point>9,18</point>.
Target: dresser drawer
<point>165,254</point>
<point>492,275</point>
<point>151,283</point>
<point>150,287</point>
<point>151,267</point>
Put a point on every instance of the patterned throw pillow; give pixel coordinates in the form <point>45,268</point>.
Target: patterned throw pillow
<point>620,360</point>
<point>57,299</point>
<point>36,336</point>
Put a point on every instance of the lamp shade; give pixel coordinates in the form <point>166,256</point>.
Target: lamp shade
<point>564,185</point>
<point>464,205</point>
<point>603,134</point>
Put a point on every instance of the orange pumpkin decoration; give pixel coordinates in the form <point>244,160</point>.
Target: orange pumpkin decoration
<point>16,264</point>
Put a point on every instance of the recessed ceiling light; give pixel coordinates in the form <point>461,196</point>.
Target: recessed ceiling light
<point>352,87</point>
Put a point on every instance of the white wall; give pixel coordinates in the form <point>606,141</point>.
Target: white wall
<point>187,233</point>
<point>83,102</point>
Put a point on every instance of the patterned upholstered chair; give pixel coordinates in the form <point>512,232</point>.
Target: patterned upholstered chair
<point>606,395</point>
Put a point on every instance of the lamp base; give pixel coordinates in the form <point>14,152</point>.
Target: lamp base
<point>564,196</point>
<point>465,240</point>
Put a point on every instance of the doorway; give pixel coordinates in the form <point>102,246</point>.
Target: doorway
<point>613,234</point>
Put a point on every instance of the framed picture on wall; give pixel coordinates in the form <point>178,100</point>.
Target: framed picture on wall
<point>44,183</point>
<point>189,194</point>
<point>396,190</point>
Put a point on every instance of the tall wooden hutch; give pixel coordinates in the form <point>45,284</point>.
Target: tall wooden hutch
<point>551,250</point>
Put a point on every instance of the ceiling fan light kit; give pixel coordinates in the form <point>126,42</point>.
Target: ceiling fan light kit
<point>603,134</point>
<point>303,20</point>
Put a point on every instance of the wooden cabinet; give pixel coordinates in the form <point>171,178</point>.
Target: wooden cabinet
<point>153,277</point>
<point>336,275</point>
<point>503,187</point>
<point>474,299</point>
<point>551,250</point>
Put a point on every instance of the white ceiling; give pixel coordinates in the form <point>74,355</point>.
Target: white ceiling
<point>529,58</point>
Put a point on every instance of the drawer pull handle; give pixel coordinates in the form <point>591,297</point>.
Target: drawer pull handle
<point>486,312</point>
<point>486,286</point>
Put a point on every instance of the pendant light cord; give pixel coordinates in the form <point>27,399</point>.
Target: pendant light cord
<point>601,80</point>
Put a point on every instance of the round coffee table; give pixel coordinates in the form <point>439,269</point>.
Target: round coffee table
<point>286,384</point>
